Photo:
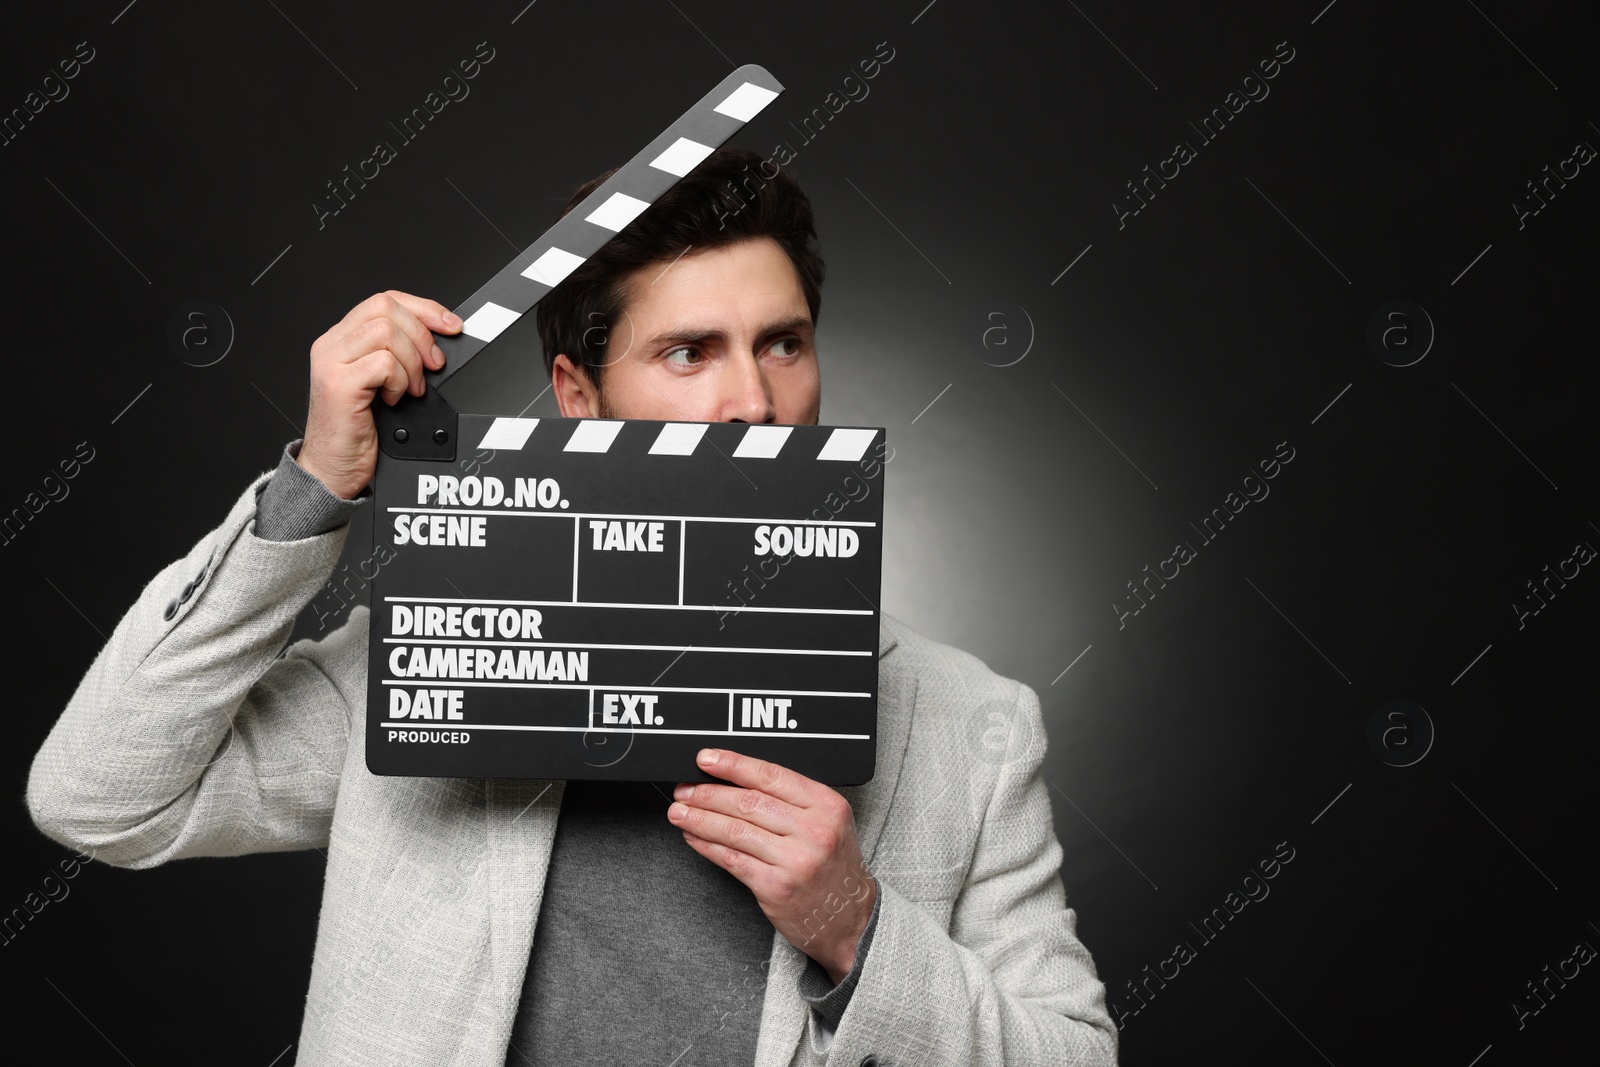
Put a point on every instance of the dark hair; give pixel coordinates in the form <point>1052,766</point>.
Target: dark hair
<point>729,197</point>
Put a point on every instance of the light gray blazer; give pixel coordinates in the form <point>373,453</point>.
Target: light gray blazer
<point>191,736</point>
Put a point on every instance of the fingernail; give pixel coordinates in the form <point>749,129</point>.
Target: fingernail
<point>677,810</point>
<point>708,756</point>
<point>451,319</point>
<point>438,355</point>
<point>682,792</point>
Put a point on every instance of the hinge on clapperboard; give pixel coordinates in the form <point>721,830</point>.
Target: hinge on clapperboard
<point>425,427</point>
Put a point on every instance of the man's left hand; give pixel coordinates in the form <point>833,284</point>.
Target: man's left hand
<point>792,841</point>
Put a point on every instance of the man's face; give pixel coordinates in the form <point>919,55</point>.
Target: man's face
<point>718,336</point>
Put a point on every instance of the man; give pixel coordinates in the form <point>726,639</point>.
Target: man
<point>916,919</point>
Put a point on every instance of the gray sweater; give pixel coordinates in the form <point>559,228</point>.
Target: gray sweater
<point>644,952</point>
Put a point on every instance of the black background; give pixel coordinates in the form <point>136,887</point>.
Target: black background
<point>1229,715</point>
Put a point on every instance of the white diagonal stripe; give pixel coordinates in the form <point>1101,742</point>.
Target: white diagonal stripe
<point>508,433</point>
<point>847,444</point>
<point>681,157</point>
<point>488,321</point>
<point>678,439</point>
<point>553,266</point>
<point>594,435</point>
<point>762,442</point>
<point>618,210</point>
<point>746,102</point>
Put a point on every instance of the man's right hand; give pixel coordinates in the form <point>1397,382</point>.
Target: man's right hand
<point>382,346</point>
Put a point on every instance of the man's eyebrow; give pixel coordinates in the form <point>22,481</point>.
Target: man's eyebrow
<point>686,336</point>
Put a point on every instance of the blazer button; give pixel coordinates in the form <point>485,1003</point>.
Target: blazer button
<point>172,609</point>
<point>871,1060</point>
<point>188,591</point>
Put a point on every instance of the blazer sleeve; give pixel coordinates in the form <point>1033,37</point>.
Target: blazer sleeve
<point>1009,982</point>
<point>196,732</point>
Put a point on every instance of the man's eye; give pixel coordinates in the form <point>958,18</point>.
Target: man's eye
<point>795,341</point>
<point>675,351</point>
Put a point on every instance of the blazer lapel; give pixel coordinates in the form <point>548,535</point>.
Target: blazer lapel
<point>783,1013</point>
<point>522,816</point>
<point>897,692</point>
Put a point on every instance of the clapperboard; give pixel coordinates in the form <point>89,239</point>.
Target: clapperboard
<point>601,598</point>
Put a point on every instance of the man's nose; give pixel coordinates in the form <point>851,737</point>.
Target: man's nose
<point>747,396</point>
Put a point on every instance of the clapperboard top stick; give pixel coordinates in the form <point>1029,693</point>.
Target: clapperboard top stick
<point>599,598</point>
<point>424,427</point>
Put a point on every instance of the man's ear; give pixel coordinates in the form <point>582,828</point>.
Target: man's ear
<point>576,396</point>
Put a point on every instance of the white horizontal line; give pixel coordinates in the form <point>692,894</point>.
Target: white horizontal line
<point>613,604</point>
<point>438,683</point>
<point>401,724</point>
<point>625,515</point>
<point>653,648</point>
